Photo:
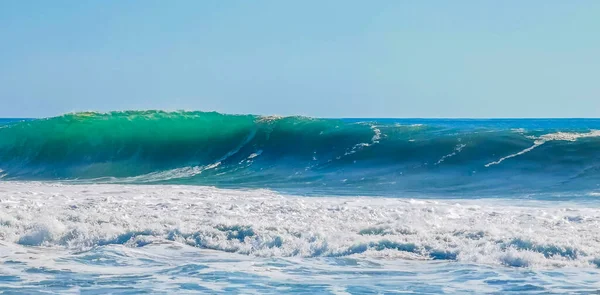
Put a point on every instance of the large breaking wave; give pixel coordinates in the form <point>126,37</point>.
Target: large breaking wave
<point>298,153</point>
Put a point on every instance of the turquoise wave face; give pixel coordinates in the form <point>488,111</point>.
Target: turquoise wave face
<point>307,155</point>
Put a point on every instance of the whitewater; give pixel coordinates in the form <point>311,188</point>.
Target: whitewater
<point>84,237</point>
<point>191,202</point>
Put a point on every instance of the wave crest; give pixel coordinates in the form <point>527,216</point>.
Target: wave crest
<point>295,152</point>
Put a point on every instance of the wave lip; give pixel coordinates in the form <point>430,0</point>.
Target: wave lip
<point>339,156</point>
<point>558,136</point>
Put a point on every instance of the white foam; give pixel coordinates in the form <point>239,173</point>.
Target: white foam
<point>457,150</point>
<point>374,140</point>
<point>264,223</point>
<point>513,155</point>
<point>568,136</point>
<point>254,155</point>
<point>538,141</point>
<point>177,173</point>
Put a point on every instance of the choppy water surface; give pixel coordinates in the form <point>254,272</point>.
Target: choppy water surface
<point>159,202</point>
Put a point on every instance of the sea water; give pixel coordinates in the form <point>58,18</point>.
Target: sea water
<point>193,202</point>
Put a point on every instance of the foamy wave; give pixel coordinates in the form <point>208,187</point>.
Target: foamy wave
<point>514,155</point>
<point>177,173</point>
<point>568,136</point>
<point>263,223</point>
<point>558,136</point>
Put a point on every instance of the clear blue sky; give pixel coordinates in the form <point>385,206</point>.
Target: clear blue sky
<point>318,58</point>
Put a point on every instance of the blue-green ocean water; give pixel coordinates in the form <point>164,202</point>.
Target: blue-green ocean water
<point>527,221</point>
<point>429,157</point>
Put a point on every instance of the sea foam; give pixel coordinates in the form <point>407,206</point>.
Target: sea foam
<point>267,224</point>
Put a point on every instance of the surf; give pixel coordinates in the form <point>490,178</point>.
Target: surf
<point>302,154</point>
<point>263,223</point>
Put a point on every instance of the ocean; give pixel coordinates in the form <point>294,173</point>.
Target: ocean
<point>155,202</point>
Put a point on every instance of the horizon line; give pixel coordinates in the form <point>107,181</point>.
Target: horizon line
<point>357,118</point>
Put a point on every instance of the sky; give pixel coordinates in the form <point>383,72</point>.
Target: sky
<point>334,58</point>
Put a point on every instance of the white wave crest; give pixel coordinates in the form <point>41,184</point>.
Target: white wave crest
<point>538,141</point>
